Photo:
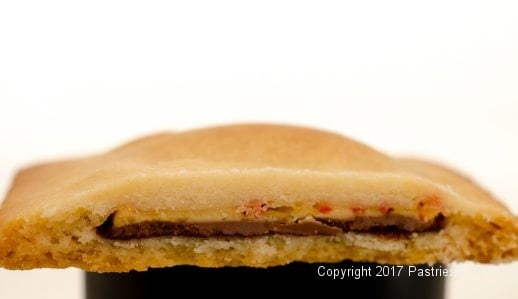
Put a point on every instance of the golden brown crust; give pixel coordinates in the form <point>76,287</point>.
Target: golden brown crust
<point>244,172</point>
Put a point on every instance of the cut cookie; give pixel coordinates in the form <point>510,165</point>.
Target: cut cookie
<point>248,195</point>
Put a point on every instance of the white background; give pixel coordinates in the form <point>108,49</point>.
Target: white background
<point>432,78</point>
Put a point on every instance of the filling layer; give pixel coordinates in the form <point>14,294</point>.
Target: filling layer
<point>303,227</point>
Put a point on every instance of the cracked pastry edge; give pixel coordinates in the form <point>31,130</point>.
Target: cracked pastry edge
<point>72,243</point>
<point>66,237</point>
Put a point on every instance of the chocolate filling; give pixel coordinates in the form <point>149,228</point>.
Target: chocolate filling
<point>320,226</point>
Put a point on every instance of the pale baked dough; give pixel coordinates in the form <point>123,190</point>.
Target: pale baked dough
<point>51,213</point>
